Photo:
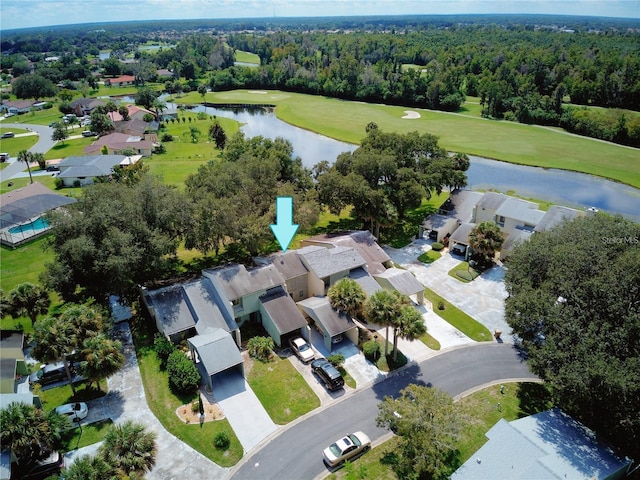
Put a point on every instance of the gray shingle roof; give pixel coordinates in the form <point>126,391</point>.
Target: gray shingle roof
<point>491,201</point>
<point>516,237</point>
<point>366,281</point>
<point>555,216</point>
<point>320,310</point>
<point>283,311</point>
<point>402,281</point>
<point>171,309</point>
<point>329,261</point>
<point>236,281</point>
<point>549,445</point>
<point>289,265</point>
<point>89,166</point>
<point>217,350</point>
<point>461,235</point>
<point>520,210</point>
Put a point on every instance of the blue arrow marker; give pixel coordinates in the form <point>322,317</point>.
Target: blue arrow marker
<point>284,229</point>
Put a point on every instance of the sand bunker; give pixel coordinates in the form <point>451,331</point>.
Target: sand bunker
<point>411,114</point>
<point>257,91</point>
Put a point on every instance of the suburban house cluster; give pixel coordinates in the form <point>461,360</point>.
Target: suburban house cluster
<point>518,219</point>
<point>286,293</point>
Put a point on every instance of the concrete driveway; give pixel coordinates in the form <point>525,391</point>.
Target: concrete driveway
<point>248,418</point>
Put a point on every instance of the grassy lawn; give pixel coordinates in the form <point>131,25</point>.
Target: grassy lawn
<point>70,148</point>
<point>466,132</point>
<point>430,341</point>
<point>456,317</point>
<point>464,273</point>
<point>483,409</point>
<point>247,57</point>
<point>183,157</point>
<point>282,391</point>
<point>429,256</point>
<point>163,403</point>
<point>14,145</point>
<point>54,397</point>
<point>87,435</point>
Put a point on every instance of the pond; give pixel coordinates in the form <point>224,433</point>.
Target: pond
<point>571,189</point>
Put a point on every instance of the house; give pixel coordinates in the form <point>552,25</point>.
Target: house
<point>185,310</point>
<point>549,445</point>
<point>17,106</point>
<point>459,240</point>
<point>331,324</point>
<point>215,353</point>
<point>12,360</point>
<point>21,212</point>
<point>259,294</point>
<point>456,210</point>
<point>135,127</point>
<point>328,265</point>
<point>120,81</point>
<point>119,142</point>
<point>364,242</point>
<point>515,213</point>
<point>557,215</point>
<point>85,106</point>
<point>134,111</point>
<point>514,239</point>
<point>294,272</point>
<point>84,169</point>
<point>403,282</point>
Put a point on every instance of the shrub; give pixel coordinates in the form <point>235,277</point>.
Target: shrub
<point>437,246</point>
<point>167,137</point>
<point>336,359</point>
<point>183,374</point>
<point>260,347</point>
<point>221,441</point>
<point>440,305</point>
<point>371,350</point>
<point>195,406</point>
<point>76,184</point>
<point>164,348</point>
<point>58,183</point>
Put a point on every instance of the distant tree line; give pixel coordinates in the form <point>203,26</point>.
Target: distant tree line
<point>518,71</point>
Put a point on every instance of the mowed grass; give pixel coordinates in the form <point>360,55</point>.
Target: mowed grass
<point>163,403</point>
<point>87,435</point>
<point>456,317</point>
<point>14,145</point>
<point>465,132</point>
<point>282,391</point>
<point>247,57</point>
<point>482,409</point>
<point>183,157</point>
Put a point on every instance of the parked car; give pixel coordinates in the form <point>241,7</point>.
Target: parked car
<point>74,411</point>
<point>348,447</point>
<point>8,135</point>
<point>53,168</point>
<point>4,157</point>
<point>51,373</point>
<point>329,374</point>
<point>39,470</point>
<point>302,349</point>
<point>88,133</point>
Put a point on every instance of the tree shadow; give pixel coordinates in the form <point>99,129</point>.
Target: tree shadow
<point>534,398</point>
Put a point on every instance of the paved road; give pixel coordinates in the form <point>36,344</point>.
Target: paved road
<point>295,452</point>
<point>43,145</point>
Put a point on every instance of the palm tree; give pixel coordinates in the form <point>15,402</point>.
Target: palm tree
<point>89,468</point>
<point>28,300</point>
<point>486,239</point>
<point>25,156</point>
<point>54,341</point>
<point>347,295</point>
<point>408,325</point>
<point>382,308</point>
<point>102,358</point>
<point>129,448</point>
<point>28,432</point>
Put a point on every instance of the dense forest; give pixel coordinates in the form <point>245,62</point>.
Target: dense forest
<point>538,69</point>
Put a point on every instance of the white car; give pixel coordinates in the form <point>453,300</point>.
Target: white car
<point>302,349</point>
<point>348,447</point>
<point>74,411</point>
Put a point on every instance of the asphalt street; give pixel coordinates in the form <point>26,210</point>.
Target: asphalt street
<point>43,145</point>
<point>296,452</point>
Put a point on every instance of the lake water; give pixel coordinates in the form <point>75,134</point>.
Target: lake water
<point>571,189</point>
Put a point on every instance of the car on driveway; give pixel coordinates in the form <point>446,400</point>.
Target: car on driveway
<point>88,133</point>
<point>73,411</point>
<point>329,374</point>
<point>53,168</point>
<point>302,349</point>
<point>347,448</point>
<point>48,466</point>
<point>8,135</point>
<point>52,373</point>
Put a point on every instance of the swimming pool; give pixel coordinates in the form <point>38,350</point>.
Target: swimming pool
<point>37,225</point>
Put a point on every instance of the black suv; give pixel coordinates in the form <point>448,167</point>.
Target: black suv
<point>328,373</point>
<point>52,373</point>
<point>39,470</point>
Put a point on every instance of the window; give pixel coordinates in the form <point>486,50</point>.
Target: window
<point>500,221</point>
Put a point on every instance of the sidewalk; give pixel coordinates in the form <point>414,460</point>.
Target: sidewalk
<point>482,299</point>
<point>126,401</point>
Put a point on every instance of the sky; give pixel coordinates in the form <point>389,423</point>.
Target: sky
<point>34,13</point>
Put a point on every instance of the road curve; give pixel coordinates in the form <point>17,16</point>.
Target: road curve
<point>295,451</point>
